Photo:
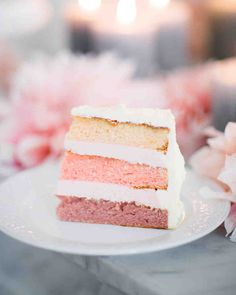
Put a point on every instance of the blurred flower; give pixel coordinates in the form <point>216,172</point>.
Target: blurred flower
<point>225,142</point>
<point>8,66</point>
<point>207,162</point>
<point>210,160</point>
<point>218,161</point>
<point>230,223</point>
<point>32,150</point>
<point>4,109</point>
<point>44,91</point>
<point>228,173</point>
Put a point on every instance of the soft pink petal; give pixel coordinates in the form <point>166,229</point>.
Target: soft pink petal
<point>208,193</point>
<point>230,137</point>
<point>228,174</point>
<point>56,142</point>
<point>230,223</point>
<point>212,132</point>
<point>218,143</point>
<point>4,109</point>
<point>32,150</point>
<point>208,162</point>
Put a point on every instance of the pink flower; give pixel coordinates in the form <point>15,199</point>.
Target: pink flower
<point>44,91</point>
<point>230,138</point>
<point>207,162</point>
<point>225,142</point>
<point>212,132</point>
<point>9,62</point>
<point>32,150</point>
<point>218,161</point>
<point>230,223</point>
<point>228,173</point>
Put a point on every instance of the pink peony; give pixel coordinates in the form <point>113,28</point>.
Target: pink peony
<point>218,161</point>
<point>230,138</point>
<point>44,92</point>
<point>31,150</point>
<point>9,62</point>
<point>230,223</point>
<point>210,160</point>
<point>225,142</point>
<point>207,162</point>
<point>228,173</point>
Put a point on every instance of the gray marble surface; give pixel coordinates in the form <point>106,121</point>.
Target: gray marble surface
<point>206,266</point>
<point>25,270</point>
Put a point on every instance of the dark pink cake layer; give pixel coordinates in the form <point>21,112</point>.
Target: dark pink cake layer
<point>109,170</point>
<point>107,212</point>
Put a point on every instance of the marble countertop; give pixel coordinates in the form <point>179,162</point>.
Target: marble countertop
<point>206,266</point>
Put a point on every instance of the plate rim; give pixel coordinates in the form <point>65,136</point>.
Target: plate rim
<point>111,251</point>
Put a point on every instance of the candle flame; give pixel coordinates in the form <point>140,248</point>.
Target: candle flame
<point>126,11</point>
<point>89,5</point>
<point>160,3</point>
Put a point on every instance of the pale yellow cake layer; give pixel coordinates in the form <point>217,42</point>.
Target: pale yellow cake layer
<point>112,132</point>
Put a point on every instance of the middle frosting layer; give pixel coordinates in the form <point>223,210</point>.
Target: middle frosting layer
<point>112,192</point>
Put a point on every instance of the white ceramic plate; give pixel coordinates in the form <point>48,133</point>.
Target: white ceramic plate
<point>27,213</point>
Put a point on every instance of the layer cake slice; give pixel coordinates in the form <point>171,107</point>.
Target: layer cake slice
<point>121,166</point>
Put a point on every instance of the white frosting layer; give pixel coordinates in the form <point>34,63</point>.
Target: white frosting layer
<point>153,117</point>
<point>118,193</point>
<point>121,152</point>
<point>111,192</point>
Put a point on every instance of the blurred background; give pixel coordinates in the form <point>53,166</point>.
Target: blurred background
<point>55,54</point>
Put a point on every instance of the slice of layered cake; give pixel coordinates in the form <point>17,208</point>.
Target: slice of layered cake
<point>121,166</point>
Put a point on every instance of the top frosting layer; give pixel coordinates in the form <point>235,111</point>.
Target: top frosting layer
<point>149,116</point>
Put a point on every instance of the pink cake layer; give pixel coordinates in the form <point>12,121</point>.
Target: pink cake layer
<point>107,212</point>
<point>109,170</point>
